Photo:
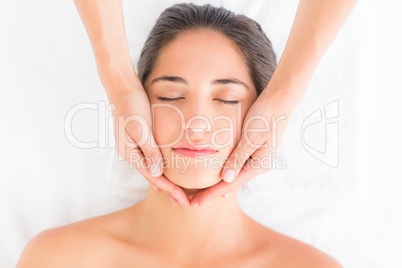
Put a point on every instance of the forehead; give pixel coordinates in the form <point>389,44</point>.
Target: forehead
<point>201,55</point>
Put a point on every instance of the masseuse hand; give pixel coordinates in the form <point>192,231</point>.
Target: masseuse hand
<point>315,26</point>
<point>104,23</point>
<point>262,132</point>
<point>133,134</point>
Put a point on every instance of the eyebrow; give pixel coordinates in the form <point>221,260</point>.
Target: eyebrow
<point>180,80</point>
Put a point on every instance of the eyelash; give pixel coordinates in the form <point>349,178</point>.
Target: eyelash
<point>231,102</point>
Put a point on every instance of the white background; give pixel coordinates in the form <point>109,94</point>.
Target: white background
<point>352,211</point>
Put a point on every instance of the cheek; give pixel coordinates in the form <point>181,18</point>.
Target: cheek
<point>226,132</point>
<point>228,129</point>
<point>166,126</point>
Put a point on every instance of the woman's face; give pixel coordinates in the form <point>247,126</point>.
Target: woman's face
<point>193,77</point>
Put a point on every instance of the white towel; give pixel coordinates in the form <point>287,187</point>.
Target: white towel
<point>342,201</point>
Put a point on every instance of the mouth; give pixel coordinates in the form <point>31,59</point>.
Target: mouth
<point>194,152</point>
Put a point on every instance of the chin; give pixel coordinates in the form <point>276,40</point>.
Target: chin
<point>193,179</point>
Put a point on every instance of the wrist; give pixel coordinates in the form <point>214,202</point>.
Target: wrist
<point>287,86</point>
<point>120,84</point>
<point>117,78</point>
<point>283,95</point>
<point>113,58</point>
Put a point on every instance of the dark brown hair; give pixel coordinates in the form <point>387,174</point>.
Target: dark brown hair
<point>245,32</point>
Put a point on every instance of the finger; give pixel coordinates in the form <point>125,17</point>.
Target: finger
<point>246,174</point>
<point>137,159</point>
<point>226,195</point>
<point>194,199</point>
<point>172,189</point>
<point>246,147</point>
<point>167,186</point>
<point>161,182</point>
<point>126,135</point>
<point>155,188</point>
<point>150,150</point>
<point>174,201</point>
<point>134,155</point>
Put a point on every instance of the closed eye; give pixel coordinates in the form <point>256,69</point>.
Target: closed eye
<point>169,99</point>
<point>230,102</point>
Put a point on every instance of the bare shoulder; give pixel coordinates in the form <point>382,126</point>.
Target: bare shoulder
<point>295,253</point>
<point>49,247</point>
<point>75,245</point>
<point>304,255</point>
<point>283,251</point>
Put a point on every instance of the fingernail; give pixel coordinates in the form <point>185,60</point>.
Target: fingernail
<point>206,203</point>
<point>229,175</point>
<point>195,205</point>
<point>155,169</point>
<point>183,204</point>
<point>156,189</point>
<point>226,195</point>
<point>172,201</point>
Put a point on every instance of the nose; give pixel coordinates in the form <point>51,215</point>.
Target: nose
<point>197,130</point>
<point>198,125</point>
<point>198,118</point>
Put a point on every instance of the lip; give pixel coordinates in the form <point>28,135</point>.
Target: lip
<point>197,150</point>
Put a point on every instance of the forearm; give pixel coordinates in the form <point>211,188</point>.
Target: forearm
<point>315,26</point>
<point>104,23</point>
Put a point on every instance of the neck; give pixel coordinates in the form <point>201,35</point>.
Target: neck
<point>191,232</point>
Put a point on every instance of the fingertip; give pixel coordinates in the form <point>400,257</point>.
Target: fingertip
<point>154,169</point>
<point>205,203</point>
<point>194,201</point>
<point>229,175</point>
<point>183,200</point>
<point>185,204</point>
<point>174,202</point>
<point>202,201</point>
